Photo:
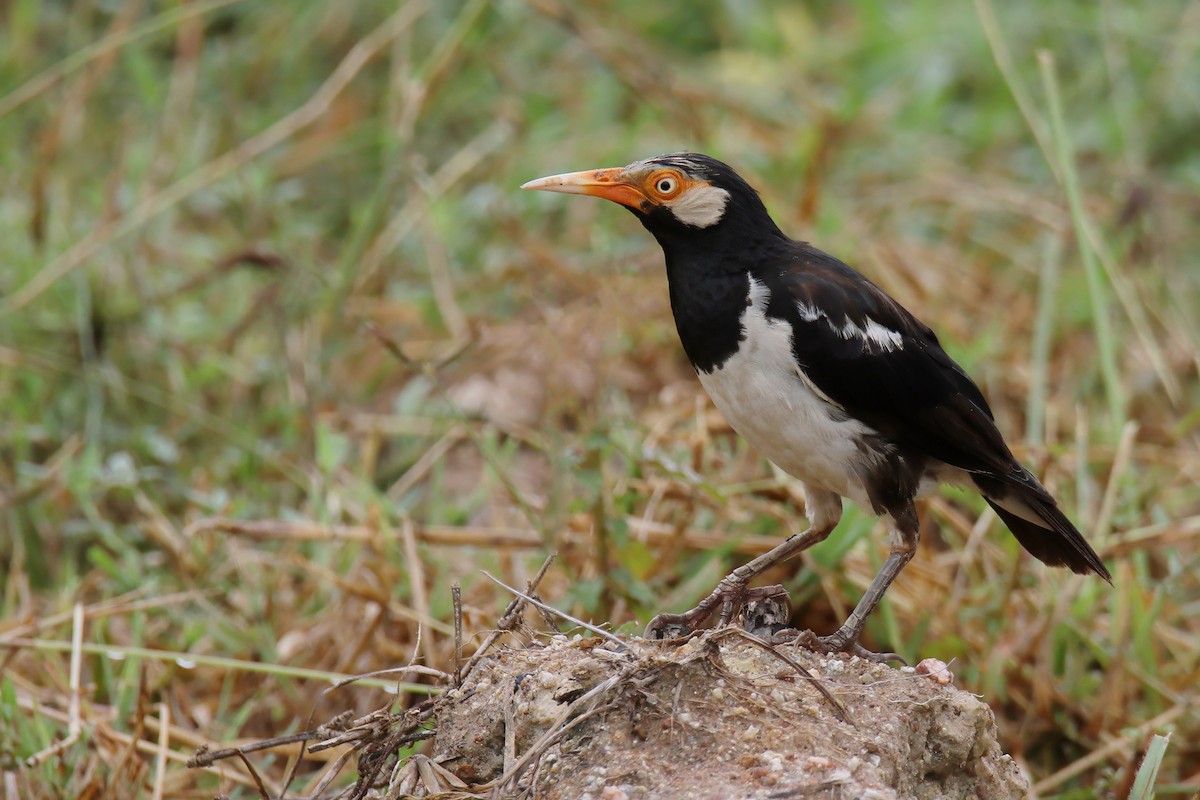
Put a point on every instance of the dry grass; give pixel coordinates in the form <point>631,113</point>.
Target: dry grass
<point>283,355</point>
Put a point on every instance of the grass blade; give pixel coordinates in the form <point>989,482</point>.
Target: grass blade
<point>1043,331</point>
<point>1143,784</point>
<point>1097,294</point>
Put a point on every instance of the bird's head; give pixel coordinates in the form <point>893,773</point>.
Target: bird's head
<point>678,195</point>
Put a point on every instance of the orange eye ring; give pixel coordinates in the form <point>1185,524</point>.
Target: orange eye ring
<point>666,184</point>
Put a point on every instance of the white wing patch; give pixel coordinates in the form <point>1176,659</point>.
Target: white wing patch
<point>885,339</point>
<point>808,313</point>
<point>874,336</point>
<point>700,206</point>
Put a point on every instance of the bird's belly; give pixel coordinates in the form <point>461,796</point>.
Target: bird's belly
<point>765,399</point>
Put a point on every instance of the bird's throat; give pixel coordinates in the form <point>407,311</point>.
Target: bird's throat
<point>708,306</point>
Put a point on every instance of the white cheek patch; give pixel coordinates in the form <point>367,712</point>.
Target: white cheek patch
<point>700,206</point>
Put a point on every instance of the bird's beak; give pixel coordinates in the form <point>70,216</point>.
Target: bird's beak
<point>611,184</point>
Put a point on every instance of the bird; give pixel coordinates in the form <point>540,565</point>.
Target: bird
<point>825,374</point>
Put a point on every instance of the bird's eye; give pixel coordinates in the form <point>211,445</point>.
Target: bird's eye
<point>665,185</point>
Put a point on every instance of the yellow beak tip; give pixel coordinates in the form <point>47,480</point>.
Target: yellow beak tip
<point>570,183</point>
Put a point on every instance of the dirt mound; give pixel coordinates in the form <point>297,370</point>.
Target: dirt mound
<point>722,716</point>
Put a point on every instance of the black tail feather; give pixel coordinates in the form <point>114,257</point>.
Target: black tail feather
<point>1059,545</point>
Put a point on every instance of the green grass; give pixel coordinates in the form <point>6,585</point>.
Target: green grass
<point>204,206</point>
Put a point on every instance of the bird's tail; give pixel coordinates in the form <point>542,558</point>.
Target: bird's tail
<point>1052,539</point>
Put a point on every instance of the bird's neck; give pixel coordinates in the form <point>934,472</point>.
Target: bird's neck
<point>707,301</point>
<point>709,270</point>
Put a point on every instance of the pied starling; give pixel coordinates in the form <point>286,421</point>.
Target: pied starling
<point>824,373</point>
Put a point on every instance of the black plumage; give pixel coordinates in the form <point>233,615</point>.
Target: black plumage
<point>825,372</point>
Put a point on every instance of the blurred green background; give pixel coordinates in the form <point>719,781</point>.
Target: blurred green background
<point>284,352</point>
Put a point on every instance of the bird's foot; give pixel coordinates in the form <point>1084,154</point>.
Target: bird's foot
<point>841,641</point>
<point>730,597</point>
<point>766,615</point>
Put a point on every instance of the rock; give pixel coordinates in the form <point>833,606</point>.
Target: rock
<point>719,717</point>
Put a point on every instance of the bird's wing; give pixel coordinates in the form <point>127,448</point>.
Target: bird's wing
<point>870,356</point>
<point>873,358</point>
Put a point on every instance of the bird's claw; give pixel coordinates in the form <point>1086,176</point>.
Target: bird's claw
<point>759,609</point>
<point>766,614</point>
<point>670,626</point>
<point>841,641</point>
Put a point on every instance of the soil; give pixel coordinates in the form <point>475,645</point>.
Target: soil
<point>721,716</point>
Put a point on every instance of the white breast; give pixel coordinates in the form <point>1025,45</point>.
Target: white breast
<point>767,399</point>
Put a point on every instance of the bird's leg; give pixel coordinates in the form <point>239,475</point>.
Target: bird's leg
<point>824,510</point>
<point>731,592</point>
<point>905,536</point>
